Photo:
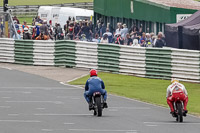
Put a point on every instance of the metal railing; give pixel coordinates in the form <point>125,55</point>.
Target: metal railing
<point>31,10</point>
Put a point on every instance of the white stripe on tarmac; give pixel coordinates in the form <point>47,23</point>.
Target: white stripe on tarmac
<point>13,114</point>
<point>21,121</point>
<point>77,78</point>
<point>6,97</point>
<point>172,123</point>
<point>40,108</point>
<point>47,130</point>
<point>140,108</point>
<point>151,125</point>
<point>55,102</point>
<point>69,123</point>
<point>6,107</point>
<point>40,88</point>
<point>6,68</point>
<point>63,114</point>
<point>98,130</point>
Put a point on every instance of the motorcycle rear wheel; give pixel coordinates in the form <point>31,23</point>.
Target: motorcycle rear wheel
<point>98,104</point>
<point>180,112</point>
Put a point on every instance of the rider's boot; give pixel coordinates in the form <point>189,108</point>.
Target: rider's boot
<point>90,105</point>
<point>185,112</point>
<point>173,113</point>
<point>105,105</point>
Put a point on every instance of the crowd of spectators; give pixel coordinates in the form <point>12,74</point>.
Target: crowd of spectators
<point>85,30</point>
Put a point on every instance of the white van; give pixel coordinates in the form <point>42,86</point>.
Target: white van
<point>45,12</point>
<point>62,14</point>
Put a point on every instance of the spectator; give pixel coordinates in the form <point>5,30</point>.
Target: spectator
<point>163,37</point>
<point>102,29</point>
<point>104,39</point>
<point>85,30</point>
<point>118,30</point>
<point>159,42</point>
<point>26,34</point>
<point>37,19</point>
<point>60,35</point>
<point>96,39</point>
<point>76,28</point>
<point>42,37</point>
<point>16,25</point>
<point>133,31</point>
<point>83,37</point>
<point>135,43</point>
<point>66,27</point>
<point>119,40</point>
<point>71,31</point>
<point>109,34</point>
<point>16,19</point>
<point>44,29</point>
<point>91,26</point>
<point>124,31</point>
<point>149,42</point>
<point>154,38</point>
<point>143,40</point>
<point>24,26</point>
<point>139,33</point>
<point>18,36</point>
<point>128,41</point>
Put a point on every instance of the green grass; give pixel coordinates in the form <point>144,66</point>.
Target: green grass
<point>27,19</point>
<point>148,90</point>
<point>41,2</point>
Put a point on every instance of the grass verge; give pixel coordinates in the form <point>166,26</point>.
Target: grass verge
<point>144,89</point>
<point>42,2</point>
<point>27,19</point>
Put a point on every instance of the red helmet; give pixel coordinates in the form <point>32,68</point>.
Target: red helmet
<point>93,72</point>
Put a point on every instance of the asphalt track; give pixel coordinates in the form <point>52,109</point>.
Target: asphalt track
<point>32,104</point>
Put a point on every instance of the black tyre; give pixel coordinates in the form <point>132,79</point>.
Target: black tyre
<point>180,112</point>
<point>98,104</point>
<point>95,112</point>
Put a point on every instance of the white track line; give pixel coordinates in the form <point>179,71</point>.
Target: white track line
<point>6,107</point>
<point>55,102</point>
<point>13,114</point>
<point>98,130</point>
<point>69,123</point>
<point>77,78</point>
<point>140,108</point>
<point>63,114</point>
<point>21,121</point>
<point>47,130</point>
<point>6,68</point>
<point>171,123</point>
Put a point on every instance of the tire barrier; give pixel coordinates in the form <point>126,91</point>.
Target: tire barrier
<point>159,63</point>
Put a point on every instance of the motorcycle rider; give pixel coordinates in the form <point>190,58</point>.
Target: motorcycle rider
<point>94,84</point>
<point>174,84</point>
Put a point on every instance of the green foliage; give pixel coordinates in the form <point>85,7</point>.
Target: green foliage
<point>144,89</point>
<point>42,2</point>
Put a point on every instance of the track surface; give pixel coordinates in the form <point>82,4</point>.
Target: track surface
<point>32,104</point>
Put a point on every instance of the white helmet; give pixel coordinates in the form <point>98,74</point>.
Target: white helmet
<point>25,29</point>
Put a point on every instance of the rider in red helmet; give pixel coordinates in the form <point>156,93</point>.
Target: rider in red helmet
<point>94,84</point>
<point>170,100</point>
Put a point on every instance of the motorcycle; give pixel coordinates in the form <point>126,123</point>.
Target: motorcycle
<point>179,97</point>
<point>98,103</point>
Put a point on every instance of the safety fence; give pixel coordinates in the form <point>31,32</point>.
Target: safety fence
<point>32,10</point>
<point>160,63</point>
